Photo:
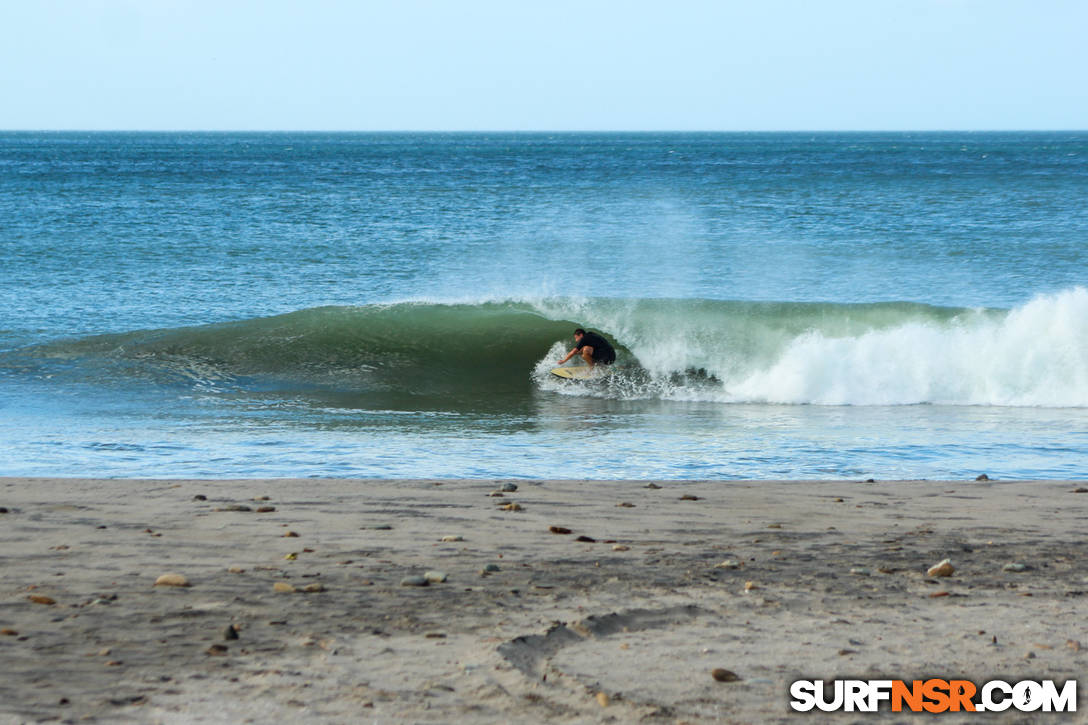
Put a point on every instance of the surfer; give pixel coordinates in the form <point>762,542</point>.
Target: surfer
<point>593,348</point>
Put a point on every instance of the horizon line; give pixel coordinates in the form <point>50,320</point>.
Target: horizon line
<point>542,130</point>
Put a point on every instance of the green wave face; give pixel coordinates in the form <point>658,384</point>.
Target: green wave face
<point>711,350</point>
<point>407,348</point>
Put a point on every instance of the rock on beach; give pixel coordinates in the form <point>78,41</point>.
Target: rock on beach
<point>172,579</point>
<point>942,568</point>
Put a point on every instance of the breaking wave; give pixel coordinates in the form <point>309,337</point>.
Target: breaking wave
<point>680,349</point>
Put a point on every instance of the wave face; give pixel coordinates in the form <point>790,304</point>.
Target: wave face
<point>699,350</point>
<point>410,348</point>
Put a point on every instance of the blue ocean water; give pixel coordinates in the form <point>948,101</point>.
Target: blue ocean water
<point>832,305</point>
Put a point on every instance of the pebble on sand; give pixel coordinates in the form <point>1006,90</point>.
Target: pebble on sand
<point>41,599</point>
<point>230,632</point>
<point>172,580</point>
<point>452,538</point>
<point>284,588</point>
<point>620,547</point>
<point>1014,566</point>
<point>559,530</point>
<point>603,699</point>
<point>8,632</point>
<point>942,568</point>
<point>218,650</point>
<point>414,581</point>
<point>313,588</point>
<point>723,675</point>
<point>512,507</point>
<point>435,577</point>
<point>729,564</point>
<point>509,487</point>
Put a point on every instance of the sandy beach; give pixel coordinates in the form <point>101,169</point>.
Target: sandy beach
<point>560,601</point>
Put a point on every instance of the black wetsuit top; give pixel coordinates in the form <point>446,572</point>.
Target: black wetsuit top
<point>602,352</point>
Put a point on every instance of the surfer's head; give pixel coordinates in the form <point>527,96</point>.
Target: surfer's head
<point>578,333</point>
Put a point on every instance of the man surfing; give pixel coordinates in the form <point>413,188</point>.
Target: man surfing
<point>593,348</point>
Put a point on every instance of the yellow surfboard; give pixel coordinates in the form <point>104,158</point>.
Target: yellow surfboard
<point>581,372</point>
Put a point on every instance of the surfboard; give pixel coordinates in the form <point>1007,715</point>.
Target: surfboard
<point>581,372</point>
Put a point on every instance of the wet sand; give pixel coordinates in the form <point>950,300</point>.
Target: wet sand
<point>773,581</point>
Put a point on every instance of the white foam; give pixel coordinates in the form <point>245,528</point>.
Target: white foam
<point>1037,355</point>
<point>1033,355</point>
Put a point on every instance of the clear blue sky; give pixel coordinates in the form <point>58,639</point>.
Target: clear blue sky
<point>555,65</point>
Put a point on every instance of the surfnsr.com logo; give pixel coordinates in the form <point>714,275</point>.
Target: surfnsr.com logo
<point>933,695</point>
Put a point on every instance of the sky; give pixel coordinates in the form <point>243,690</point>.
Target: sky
<point>758,65</point>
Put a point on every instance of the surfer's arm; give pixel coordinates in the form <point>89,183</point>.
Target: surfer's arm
<point>569,356</point>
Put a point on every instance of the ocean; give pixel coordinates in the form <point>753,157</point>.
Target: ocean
<point>784,305</point>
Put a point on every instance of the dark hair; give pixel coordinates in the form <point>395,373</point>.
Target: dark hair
<point>579,331</point>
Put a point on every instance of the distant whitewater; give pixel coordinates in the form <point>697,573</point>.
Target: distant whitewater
<point>697,350</point>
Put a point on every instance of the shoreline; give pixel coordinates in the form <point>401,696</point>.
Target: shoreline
<point>771,580</point>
